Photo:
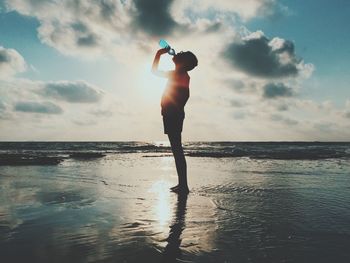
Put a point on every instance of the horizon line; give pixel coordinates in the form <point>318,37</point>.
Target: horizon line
<point>154,141</point>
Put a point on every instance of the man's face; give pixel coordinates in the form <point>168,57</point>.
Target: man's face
<point>177,57</point>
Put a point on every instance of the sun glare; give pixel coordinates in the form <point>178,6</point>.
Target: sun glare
<point>152,86</point>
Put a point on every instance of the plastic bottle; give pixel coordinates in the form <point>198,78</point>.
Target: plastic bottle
<point>165,44</point>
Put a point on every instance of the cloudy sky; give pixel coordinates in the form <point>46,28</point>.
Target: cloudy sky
<point>268,69</point>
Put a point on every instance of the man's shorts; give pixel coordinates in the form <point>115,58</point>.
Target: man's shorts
<point>173,123</point>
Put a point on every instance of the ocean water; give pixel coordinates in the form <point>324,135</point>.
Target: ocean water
<point>110,202</point>
<point>261,150</point>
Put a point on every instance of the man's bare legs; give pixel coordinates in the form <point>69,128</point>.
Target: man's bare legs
<point>180,162</point>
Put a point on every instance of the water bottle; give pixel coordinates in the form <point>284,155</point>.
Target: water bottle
<point>165,44</point>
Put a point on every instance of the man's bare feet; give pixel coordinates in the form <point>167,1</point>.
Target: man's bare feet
<point>174,187</point>
<point>180,190</point>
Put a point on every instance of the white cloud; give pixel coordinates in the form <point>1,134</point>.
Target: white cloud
<point>37,97</point>
<point>2,106</point>
<point>77,27</point>
<point>346,112</point>
<point>11,62</point>
<point>243,9</point>
<point>283,119</point>
<point>71,91</point>
<point>103,27</point>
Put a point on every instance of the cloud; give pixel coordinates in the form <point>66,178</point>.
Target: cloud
<point>276,90</point>
<point>73,92</point>
<point>102,27</point>
<point>95,27</point>
<point>2,106</point>
<point>237,103</point>
<point>236,84</point>
<point>78,27</point>
<point>258,56</point>
<point>102,113</point>
<point>37,107</point>
<point>284,120</point>
<point>346,112</point>
<point>84,122</point>
<point>98,27</point>
<point>239,115</point>
<point>260,88</point>
<point>245,10</point>
<point>245,85</point>
<point>282,107</point>
<point>4,115</point>
<point>76,98</point>
<point>153,17</point>
<point>84,37</point>
<point>11,62</point>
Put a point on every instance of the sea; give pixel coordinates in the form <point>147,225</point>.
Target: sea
<point>256,150</point>
<point>110,202</point>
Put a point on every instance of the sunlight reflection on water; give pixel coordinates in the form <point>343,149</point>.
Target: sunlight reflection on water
<point>162,207</point>
<point>167,163</point>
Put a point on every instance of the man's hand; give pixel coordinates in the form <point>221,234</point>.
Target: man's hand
<point>162,51</point>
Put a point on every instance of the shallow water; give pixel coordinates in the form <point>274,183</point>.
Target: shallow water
<point>118,209</point>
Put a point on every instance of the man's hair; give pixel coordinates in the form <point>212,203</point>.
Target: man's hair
<point>189,59</point>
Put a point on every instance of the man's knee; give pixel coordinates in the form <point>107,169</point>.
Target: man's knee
<point>175,140</point>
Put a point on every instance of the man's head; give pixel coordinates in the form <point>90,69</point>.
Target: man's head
<point>185,60</point>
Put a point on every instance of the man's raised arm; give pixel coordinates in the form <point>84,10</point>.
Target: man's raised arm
<point>155,64</point>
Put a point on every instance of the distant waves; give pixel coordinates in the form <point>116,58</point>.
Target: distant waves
<point>53,153</point>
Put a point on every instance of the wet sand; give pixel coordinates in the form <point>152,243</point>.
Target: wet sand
<point>119,209</point>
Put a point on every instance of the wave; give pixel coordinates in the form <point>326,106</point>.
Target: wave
<point>25,159</point>
<point>55,152</point>
<point>286,154</point>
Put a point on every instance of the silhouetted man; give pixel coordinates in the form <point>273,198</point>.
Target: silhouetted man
<point>173,102</point>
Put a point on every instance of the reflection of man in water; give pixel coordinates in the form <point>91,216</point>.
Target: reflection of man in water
<point>173,102</point>
<point>172,250</point>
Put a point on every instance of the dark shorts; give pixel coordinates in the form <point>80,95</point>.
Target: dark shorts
<point>173,123</point>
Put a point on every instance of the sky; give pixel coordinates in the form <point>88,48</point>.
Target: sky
<point>268,70</point>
